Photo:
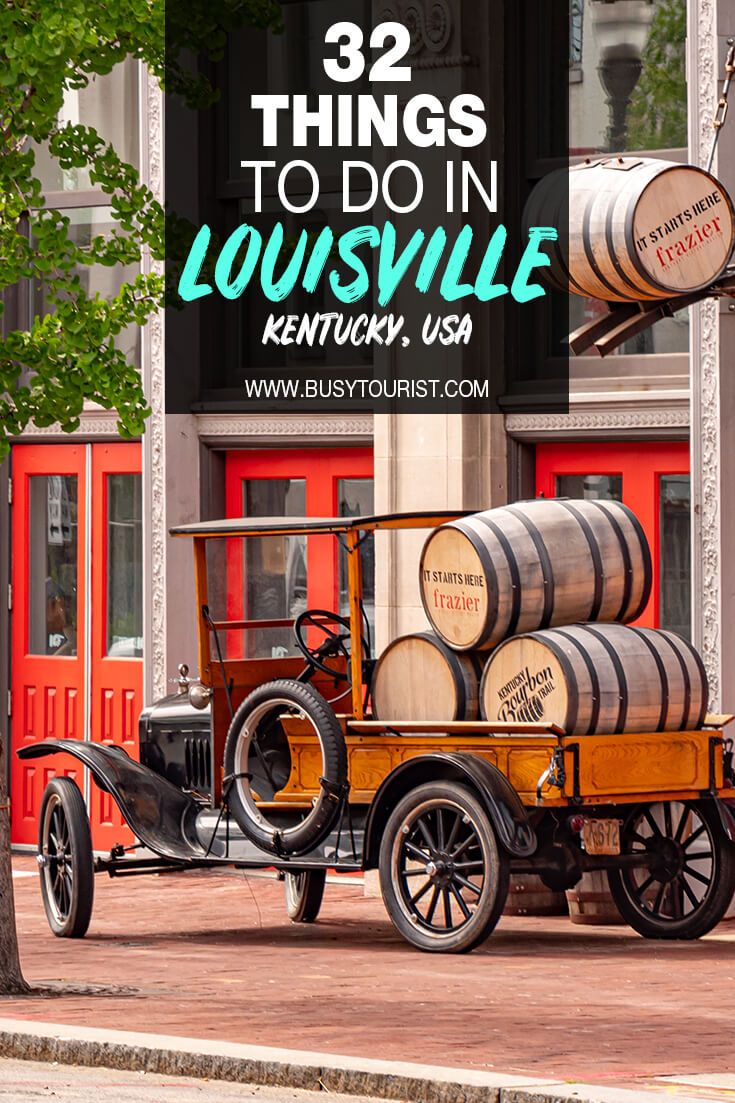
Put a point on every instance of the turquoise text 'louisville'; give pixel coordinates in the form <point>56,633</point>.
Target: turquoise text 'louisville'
<point>305,262</point>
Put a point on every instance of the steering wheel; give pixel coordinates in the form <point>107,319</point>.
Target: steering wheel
<point>336,632</point>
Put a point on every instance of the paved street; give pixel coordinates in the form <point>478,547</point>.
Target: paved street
<point>21,1081</point>
<point>213,956</point>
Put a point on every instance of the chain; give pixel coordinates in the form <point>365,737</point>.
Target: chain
<point>722,107</point>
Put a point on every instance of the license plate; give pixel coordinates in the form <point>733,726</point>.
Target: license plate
<point>601,836</point>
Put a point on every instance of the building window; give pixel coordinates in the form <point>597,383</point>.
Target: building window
<point>576,34</point>
<point>110,105</point>
<point>633,101</point>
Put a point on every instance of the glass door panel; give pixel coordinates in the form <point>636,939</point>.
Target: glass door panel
<point>675,553</point>
<point>275,566</point>
<point>52,564</point>
<point>600,488</point>
<point>124,606</point>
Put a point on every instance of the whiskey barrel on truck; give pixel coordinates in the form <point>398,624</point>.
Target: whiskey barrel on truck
<point>597,679</point>
<point>634,229</point>
<point>419,678</point>
<point>533,565</point>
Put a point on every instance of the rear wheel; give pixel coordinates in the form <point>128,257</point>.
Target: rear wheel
<point>688,880</point>
<point>65,859</point>
<point>443,877</point>
<point>304,894</point>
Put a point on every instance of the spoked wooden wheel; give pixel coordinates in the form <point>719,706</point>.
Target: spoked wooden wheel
<point>65,859</point>
<point>443,878</point>
<point>684,888</point>
<point>304,894</point>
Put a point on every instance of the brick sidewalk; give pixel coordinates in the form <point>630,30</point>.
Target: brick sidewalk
<point>213,955</point>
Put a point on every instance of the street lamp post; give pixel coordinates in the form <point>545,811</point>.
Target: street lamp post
<point>621,28</point>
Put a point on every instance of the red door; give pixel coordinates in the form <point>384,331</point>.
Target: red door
<point>116,644</point>
<point>282,576</point>
<point>653,480</point>
<point>48,606</point>
<point>77,611</point>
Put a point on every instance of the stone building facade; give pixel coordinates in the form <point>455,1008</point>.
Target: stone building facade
<point>650,424</point>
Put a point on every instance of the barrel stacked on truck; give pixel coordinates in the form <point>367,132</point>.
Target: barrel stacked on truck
<point>540,595</point>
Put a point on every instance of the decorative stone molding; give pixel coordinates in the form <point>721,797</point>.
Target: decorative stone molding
<point>154,440</point>
<point>431,26</point>
<point>706,467</point>
<point>273,428</point>
<point>643,420</point>
<point>92,423</point>
<point>430,23</point>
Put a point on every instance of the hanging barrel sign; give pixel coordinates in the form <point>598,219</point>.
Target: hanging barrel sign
<point>597,679</point>
<point>533,565</point>
<point>420,678</point>
<point>639,229</point>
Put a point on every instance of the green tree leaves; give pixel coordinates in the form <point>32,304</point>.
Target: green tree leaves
<point>657,118</point>
<point>70,352</point>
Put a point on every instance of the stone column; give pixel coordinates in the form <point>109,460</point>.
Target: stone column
<point>441,460</point>
<point>432,461</point>
<point>711,23</point>
<point>152,359</point>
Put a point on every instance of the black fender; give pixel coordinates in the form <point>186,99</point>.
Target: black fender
<point>502,803</point>
<point>726,811</point>
<point>162,816</point>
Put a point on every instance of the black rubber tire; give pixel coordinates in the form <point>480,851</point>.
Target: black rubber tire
<point>315,827</point>
<point>462,803</point>
<point>67,882</point>
<point>720,878</point>
<point>304,894</point>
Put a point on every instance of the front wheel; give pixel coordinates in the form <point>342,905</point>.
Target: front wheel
<point>304,894</point>
<point>687,880</point>
<point>65,859</point>
<point>443,877</point>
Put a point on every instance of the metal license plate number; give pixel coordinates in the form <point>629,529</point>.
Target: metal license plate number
<point>601,836</point>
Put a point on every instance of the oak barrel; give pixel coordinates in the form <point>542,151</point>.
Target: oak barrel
<point>634,228</point>
<point>533,565</point>
<point>597,679</point>
<point>419,678</point>
<point>528,895</point>
<point>591,903</point>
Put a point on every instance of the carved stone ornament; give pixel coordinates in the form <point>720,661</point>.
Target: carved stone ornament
<point>647,419</point>
<point>273,427</point>
<point>430,23</point>
<point>154,439</point>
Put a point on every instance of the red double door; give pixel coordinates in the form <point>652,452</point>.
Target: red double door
<point>76,649</point>
<point>652,478</point>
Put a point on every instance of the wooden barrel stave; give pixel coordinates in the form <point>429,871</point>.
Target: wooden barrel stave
<point>531,565</point>
<point>597,679</point>
<point>419,678</point>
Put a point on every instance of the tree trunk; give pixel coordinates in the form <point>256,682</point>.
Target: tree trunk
<point>11,977</point>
